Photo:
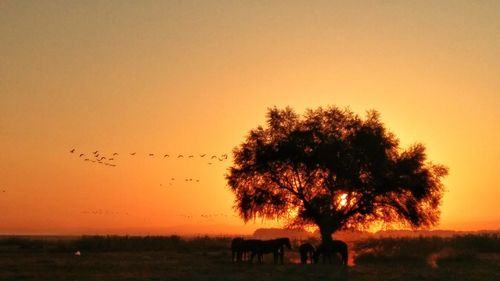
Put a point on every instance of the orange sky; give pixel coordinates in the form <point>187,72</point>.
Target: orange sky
<point>193,77</point>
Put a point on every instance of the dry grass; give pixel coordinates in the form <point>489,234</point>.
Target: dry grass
<point>210,260</point>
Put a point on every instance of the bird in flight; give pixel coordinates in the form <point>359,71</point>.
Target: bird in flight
<point>133,153</point>
<point>180,155</point>
<point>71,151</point>
<point>114,154</point>
<point>111,159</point>
<point>86,159</point>
<point>202,155</point>
<point>191,156</point>
<point>166,155</point>
<point>95,152</point>
<point>81,154</point>
<point>214,157</point>
<point>151,154</point>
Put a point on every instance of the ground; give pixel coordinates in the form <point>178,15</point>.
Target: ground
<point>216,265</point>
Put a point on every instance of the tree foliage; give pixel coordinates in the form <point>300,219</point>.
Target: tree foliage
<point>333,169</point>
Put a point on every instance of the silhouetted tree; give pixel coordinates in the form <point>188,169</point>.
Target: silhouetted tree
<point>335,170</point>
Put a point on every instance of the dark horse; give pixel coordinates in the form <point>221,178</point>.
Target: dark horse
<point>238,254</point>
<point>332,248</point>
<point>275,246</point>
<point>241,248</point>
<point>307,252</point>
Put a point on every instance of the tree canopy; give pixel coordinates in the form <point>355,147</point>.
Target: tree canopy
<point>333,169</point>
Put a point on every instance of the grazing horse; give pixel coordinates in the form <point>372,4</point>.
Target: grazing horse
<point>332,248</point>
<point>275,246</point>
<point>236,249</point>
<point>241,248</point>
<point>306,253</point>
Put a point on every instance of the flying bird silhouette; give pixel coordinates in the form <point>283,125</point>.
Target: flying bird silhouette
<point>180,155</point>
<point>191,156</point>
<point>151,154</point>
<point>214,157</point>
<point>114,154</point>
<point>166,155</point>
<point>81,155</point>
<point>133,153</point>
<point>95,152</point>
<point>71,151</point>
<point>202,155</point>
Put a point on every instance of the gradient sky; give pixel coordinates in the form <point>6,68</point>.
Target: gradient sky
<point>193,77</point>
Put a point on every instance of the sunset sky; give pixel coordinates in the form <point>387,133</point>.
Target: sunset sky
<point>193,77</point>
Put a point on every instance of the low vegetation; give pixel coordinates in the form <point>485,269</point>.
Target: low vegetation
<point>430,250</point>
<point>468,257</point>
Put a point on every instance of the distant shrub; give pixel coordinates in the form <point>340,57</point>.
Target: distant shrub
<point>115,243</point>
<point>426,249</point>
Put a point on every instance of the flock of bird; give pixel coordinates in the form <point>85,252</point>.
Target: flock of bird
<point>110,160</point>
<point>172,181</point>
<point>206,216</point>
<point>104,212</point>
<point>101,212</point>
<point>96,157</point>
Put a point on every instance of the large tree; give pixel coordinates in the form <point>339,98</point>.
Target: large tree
<point>333,169</point>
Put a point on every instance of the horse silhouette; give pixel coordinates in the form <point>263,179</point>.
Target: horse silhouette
<point>276,246</point>
<point>241,248</point>
<point>307,252</point>
<point>330,249</point>
<point>237,249</point>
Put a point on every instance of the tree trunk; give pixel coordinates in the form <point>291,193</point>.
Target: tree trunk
<point>326,234</point>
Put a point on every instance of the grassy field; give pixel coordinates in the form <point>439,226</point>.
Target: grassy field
<point>173,258</point>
